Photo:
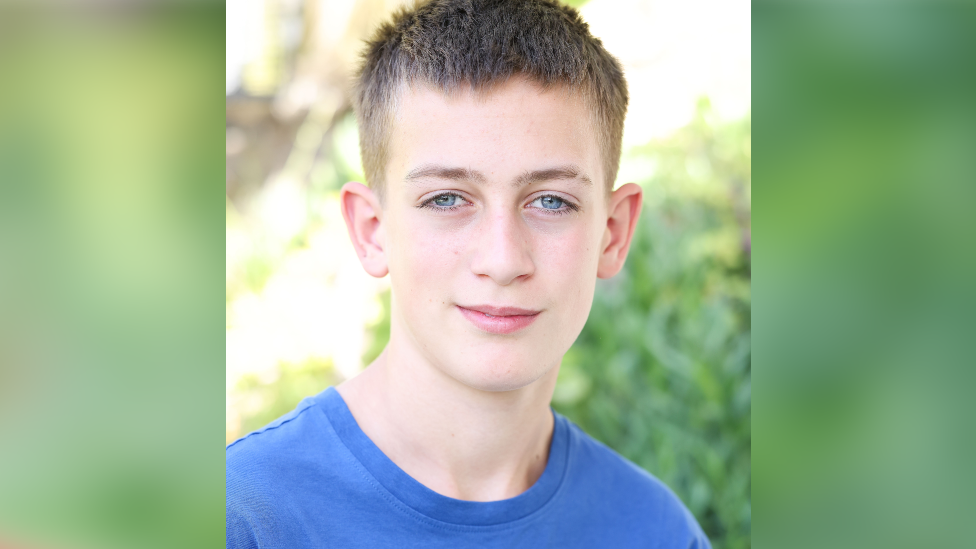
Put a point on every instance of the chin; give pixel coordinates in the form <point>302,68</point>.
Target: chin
<point>499,374</point>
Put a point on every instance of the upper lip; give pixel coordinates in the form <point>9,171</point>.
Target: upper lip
<point>500,311</point>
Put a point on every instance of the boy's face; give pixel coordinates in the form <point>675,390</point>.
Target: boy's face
<point>493,221</point>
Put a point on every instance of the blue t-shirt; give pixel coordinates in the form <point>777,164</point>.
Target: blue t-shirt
<point>312,478</point>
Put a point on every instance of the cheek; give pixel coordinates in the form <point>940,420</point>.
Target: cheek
<point>570,262</point>
<point>423,258</point>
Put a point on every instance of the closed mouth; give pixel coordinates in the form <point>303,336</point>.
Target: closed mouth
<point>500,311</point>
<point>499,320</point>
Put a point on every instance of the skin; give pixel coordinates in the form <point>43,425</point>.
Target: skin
<point>493,199</point>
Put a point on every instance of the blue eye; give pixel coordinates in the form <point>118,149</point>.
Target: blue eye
<point>551,202</point>
<point>446,200</point>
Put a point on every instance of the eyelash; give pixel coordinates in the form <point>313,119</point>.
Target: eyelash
<point>570,207</point>
<point>429,203</point>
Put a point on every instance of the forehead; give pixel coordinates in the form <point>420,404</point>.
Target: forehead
<point>513,128</point>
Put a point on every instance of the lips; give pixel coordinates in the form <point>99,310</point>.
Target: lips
<point>499,320</point>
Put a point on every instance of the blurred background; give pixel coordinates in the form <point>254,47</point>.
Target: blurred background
<point>865,256</point>
<point>111,264</point>
<point>662,370</point>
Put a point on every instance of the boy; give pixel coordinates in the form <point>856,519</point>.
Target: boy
<point>490,133</point>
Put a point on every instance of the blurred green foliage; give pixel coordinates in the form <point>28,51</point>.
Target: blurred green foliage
<point>865,341</point>
<point>111,269</point>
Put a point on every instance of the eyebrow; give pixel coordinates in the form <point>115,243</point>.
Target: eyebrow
<point>442,172</point>
<point>569,171</point>
<point>552,174</point>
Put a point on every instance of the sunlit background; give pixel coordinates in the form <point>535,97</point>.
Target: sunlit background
<point>662,370</point>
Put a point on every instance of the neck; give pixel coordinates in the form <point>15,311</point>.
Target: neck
<point>459,441</point>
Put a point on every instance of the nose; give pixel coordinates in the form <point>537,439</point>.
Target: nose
<point>503,253</point>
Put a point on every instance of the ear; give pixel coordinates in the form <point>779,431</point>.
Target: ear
<point>361,210</point>
<point>624,211</point>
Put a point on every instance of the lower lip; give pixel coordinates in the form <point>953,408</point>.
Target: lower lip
<point>498,324</point>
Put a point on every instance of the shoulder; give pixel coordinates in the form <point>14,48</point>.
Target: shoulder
<point>628,493</point>
<point>272,444</point>
<point>286,450</point>
<point>256,462</point>
<point>269,471</point>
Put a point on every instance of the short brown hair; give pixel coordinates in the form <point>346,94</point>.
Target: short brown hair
<point>479,43</point>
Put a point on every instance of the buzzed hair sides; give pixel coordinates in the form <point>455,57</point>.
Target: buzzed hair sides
<point>450,44</point>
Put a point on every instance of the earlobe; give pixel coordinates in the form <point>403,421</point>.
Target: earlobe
<point>622,216</point>
<point>361,211</point>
